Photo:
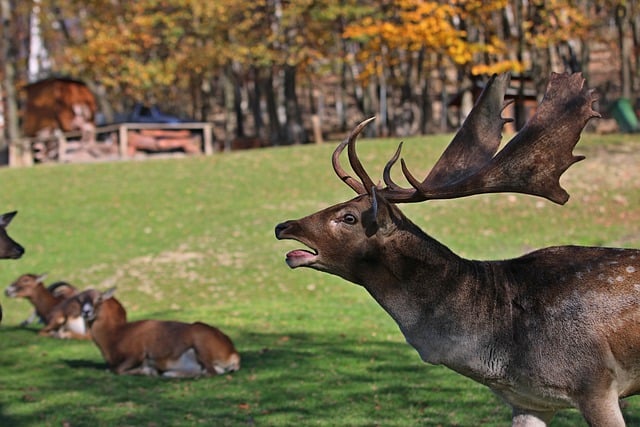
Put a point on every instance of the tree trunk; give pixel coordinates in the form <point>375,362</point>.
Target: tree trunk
<point>358,92</point>
<point>622,23</point>
<point>105,106</point>
<point>296,132</point>
<point>371,106</point>
<point>519,109</point>
<point>276,136</point>
<point>254,102</point>
<point>237,104</point>
<point>424,100</point>
<point>19,150</point>
<point>229,104</point>
<point>634,21</point>
<point>340,103</point>
<point>444,119</point>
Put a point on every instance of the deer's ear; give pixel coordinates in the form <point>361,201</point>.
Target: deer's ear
<point>378,218</point>
<point>108,294</point>
<point>5,219</point>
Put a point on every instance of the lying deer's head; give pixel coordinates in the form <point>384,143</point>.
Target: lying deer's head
<point>91,302</point>
<point>25,286</point>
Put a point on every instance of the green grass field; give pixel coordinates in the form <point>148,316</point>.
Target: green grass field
<point>192,239</point>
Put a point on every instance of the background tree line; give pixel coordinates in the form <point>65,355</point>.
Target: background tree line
<point>270,69</point>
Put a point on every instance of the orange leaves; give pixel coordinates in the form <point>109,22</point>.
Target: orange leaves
<point>423,26</point>
<point>498,67</point>
<point>142,48</point>
<point>138,46</point>
<point>413,24</point>
<point>557,21</point>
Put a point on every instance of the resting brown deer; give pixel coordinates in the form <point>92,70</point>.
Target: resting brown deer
<point>556,328</point>
<point>65,320</point>
<point>154,347</point>
<point>60,290</point>
<point>9,248</point>
<point>51,305</point>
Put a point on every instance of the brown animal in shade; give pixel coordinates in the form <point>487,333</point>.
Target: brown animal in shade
<point>154,347</point>
<point>53,306</point>
<point>556,328</point>
<point>9,248</point>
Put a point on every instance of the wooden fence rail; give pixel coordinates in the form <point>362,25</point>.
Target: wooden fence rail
<point>121,130</point>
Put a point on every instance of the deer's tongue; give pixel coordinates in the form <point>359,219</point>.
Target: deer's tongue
<point>299,258</point>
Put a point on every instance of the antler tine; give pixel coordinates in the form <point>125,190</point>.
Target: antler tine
<point>393,191</point>
<point>386,174</point>
<point>356,165</point>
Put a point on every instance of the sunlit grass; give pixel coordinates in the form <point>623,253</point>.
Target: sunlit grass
<point>192,239</point>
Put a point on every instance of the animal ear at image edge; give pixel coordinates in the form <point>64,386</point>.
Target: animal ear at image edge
<point>6,218</point>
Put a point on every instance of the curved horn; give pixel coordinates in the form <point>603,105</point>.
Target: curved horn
<point>359,187</point>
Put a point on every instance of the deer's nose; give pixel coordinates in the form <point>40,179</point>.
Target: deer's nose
<point>18,252</point>
<point>281,227</point>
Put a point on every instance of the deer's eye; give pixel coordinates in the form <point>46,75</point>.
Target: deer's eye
<point>349,219</point>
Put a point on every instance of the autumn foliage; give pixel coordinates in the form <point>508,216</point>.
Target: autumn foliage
<point>265,67</point>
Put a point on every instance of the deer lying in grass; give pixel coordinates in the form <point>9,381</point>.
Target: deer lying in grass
<point>52,306</point>
<point>9,248</point>
<point>60,290</point>
<point>556,328</point>
<point>66,321</point>
<point>153,347</point>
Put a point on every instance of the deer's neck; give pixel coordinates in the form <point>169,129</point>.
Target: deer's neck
<point>436,297</point>
<point>43,301</point>
<point>106,330</point>
<point>410,273</point>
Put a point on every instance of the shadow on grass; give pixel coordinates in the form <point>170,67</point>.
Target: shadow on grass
<point>285,379</point>
<point>86,364</point>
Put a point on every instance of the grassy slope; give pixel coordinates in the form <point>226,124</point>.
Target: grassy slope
<point>192,239</point>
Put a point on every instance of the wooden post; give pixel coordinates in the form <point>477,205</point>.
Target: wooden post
<point>317,129</point>
<point>207,132</point>
<point>62,145</point>
<point>123,142</point>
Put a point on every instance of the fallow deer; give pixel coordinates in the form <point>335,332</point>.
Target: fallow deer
<point>556,328</point>
<point>154,347</point>
<point>49,303</point>
<point>9,248</point>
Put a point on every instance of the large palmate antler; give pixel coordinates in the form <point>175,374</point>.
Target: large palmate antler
<point>531,162</point>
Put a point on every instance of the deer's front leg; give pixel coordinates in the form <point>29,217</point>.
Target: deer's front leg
<point>132,366</point>
<point>602,410</point>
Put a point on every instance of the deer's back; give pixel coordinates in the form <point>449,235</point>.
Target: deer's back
<point>576,273</point>
<point>171,338</point>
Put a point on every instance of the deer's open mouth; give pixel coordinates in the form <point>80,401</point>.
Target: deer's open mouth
<point>301,258</point>
<point>298,257</point>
